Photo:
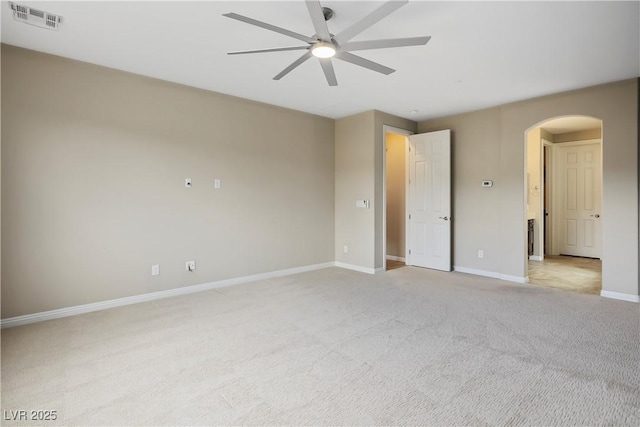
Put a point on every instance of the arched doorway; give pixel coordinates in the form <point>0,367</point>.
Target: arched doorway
<point>563,201</point>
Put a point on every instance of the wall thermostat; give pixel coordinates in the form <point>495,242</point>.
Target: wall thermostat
<point>487,183</point>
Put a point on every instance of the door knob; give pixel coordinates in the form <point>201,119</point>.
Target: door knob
<point>596,215</point>
<point>444,217</point>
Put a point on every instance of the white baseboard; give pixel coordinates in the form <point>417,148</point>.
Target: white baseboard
<point>515,279</point>
<point>620,296</point>
<point>491,274</point>
<point>396,258</point>
<point>535,257</point>
<point>356,268</point>
<point>119,302</point>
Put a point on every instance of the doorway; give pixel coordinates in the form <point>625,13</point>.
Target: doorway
<point>395,178</point>
<point>563,204</point>
<point>417,199</point>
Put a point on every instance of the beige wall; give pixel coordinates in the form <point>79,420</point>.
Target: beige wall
<point>396,187</point>
<point>489,144</point>
<point>580,135</point>
<point>0,189</point>
<point>93,162</point>
<point>93,169</point>
<point>544,134</point>
<point>354,227</point>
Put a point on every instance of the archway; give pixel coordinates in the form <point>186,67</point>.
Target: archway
<point>563,201</point>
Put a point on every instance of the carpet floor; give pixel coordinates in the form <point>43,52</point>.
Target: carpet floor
<point>335,347</point>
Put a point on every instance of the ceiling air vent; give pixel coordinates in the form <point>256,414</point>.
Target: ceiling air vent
<point>36,17</point>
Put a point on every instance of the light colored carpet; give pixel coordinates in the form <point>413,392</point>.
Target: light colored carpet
<point>335,347</point>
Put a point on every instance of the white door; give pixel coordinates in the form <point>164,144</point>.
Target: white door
<point>581,192</point>
<point>429,239</point>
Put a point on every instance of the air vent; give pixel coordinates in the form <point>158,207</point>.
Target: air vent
<point>36,17</point>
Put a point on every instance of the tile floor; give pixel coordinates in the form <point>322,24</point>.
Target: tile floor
<point>566,272</point>
<point>561,272</point>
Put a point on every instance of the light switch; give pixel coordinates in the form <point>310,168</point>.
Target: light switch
<point>187,183</point>
<point>216,183</point>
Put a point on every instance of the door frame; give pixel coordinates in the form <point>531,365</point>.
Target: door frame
<point>398,131</point>
<point>547,197</point>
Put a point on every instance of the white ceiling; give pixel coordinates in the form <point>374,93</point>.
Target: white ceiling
<point>481,54</point>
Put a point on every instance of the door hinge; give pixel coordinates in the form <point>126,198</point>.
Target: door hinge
<point>409,251</point>
<point>409,216</point>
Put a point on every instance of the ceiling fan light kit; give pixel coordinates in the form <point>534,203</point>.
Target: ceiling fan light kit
<point>324,45</point>
<point>323,50</point>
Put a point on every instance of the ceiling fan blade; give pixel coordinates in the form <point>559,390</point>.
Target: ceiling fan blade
<point>293,65</point>
<point>273,49</point>
<point>269,27</point>
<point>329,73</point>
<point>375,16</point>
<point>385,43</point>
<point>358,60</point>
<point>317,17</point>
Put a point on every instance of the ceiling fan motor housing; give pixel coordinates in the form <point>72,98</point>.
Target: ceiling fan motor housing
<point>328,13</point>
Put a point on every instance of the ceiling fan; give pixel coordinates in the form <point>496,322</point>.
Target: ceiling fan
<point>325,45</point>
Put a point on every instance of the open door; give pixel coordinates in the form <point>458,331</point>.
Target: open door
<point>429,231</point>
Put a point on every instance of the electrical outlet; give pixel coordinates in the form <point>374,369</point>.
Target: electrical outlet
<point>480,253</point>
<point>155,269</point>
<point>217,184</point>
<point>190,265</point>
<point>346,249</point>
